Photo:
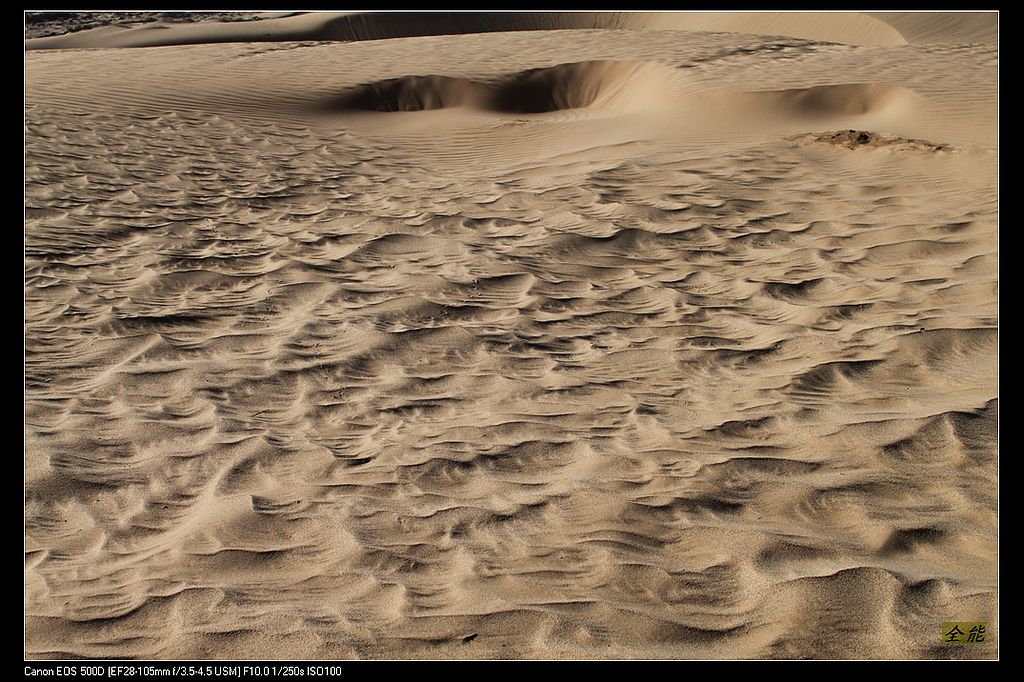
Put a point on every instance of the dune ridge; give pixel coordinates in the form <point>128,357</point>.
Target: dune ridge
<point>869,28</point>
<point>844,27</point>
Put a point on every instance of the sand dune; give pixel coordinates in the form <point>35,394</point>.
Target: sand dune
<point>842,27</point>
<point>938,27</point>
<point>512,336</point>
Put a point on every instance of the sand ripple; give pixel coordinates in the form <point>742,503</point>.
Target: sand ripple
<point>565,386</point>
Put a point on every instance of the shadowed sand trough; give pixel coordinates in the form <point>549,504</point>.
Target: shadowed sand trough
<point>602,84</point>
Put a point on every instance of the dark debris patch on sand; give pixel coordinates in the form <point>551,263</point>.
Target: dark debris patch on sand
<point>856,139</point>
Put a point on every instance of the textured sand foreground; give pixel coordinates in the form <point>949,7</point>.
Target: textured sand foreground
<point>618,336</point>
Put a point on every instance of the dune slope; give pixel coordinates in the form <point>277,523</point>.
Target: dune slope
<point>841,27</point>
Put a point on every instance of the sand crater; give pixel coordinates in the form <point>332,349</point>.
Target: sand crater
<point>579,85</point>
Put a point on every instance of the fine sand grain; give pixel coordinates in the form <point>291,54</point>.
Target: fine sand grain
<point>512,336</point>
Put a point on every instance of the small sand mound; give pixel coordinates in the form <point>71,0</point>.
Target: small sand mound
<point>597,84</point>
<point>856,139</point>
<point>852,99</point>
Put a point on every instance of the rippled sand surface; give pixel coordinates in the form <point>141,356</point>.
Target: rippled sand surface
<point>634,339</point>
